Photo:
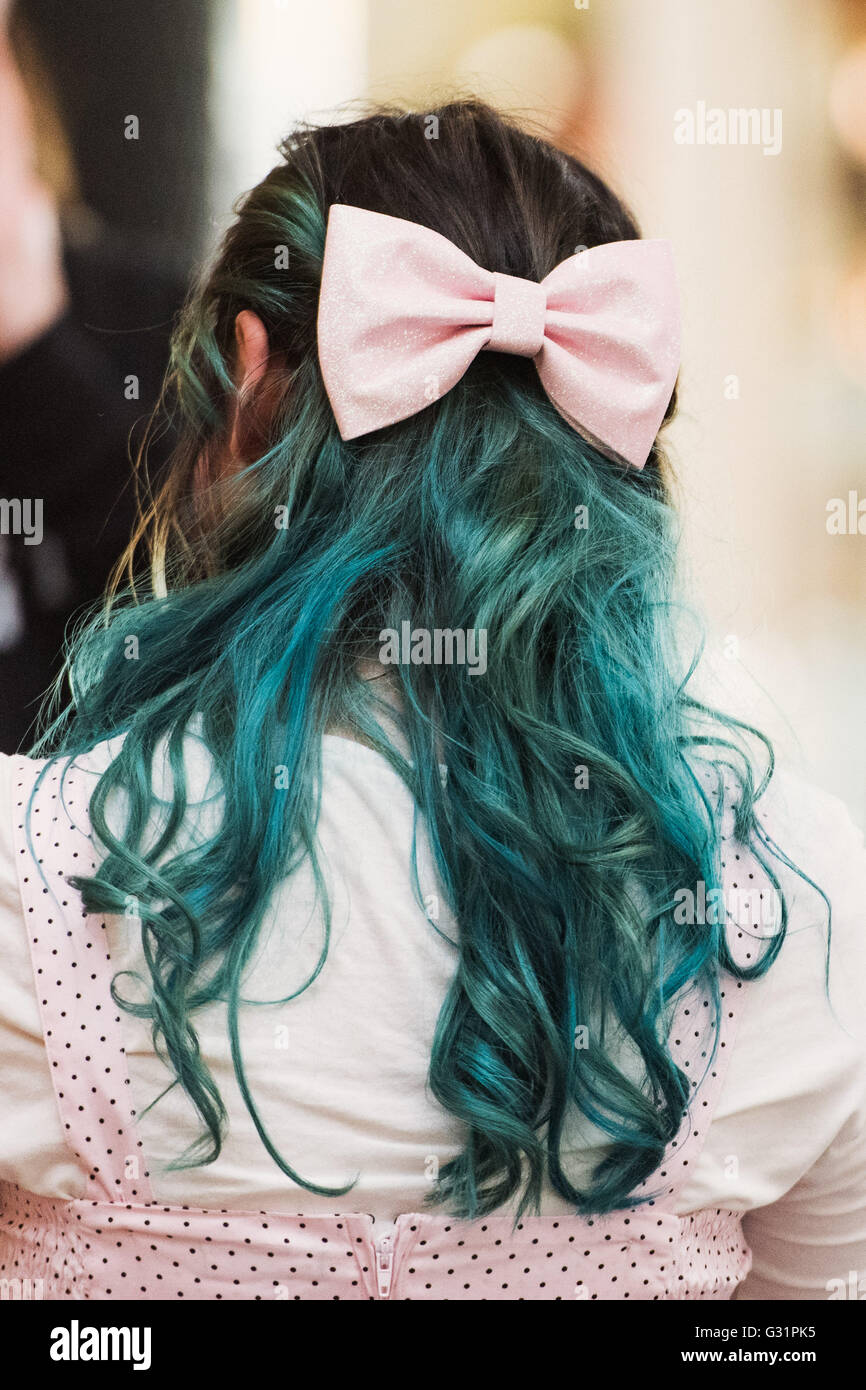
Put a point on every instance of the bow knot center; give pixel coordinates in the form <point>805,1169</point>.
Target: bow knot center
<point>519,313</point>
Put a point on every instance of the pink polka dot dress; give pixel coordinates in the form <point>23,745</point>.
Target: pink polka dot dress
<point>117,1241</point>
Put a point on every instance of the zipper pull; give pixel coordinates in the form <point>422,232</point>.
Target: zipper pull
<point>384,1262</point>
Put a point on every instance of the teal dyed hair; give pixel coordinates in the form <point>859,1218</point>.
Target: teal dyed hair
<point>269,585</point>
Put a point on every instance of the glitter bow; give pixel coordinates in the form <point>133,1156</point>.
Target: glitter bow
<point>403,312</point>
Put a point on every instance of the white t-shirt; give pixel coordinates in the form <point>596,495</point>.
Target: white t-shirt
<point>340,1073</point>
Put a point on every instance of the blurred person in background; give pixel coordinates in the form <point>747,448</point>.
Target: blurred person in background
<point>85,318</point>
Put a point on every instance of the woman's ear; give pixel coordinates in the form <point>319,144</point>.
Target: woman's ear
<point>259,378</point>
<point>260,381</point>
<point>251,339</point>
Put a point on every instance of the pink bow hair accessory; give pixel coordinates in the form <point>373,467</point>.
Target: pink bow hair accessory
<point>403,312</point>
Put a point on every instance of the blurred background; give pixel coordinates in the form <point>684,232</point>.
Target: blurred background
<point>150,117</point>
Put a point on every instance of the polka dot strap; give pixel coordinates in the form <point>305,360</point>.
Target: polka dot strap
<point>697,1025</point>
<point>73,972</point>
<point>702,1037</point>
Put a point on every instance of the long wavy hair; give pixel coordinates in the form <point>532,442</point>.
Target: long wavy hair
<point>571,791</point>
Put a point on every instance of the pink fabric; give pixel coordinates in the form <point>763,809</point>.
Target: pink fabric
<point>119,1242</point>
<point>403,312</point>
